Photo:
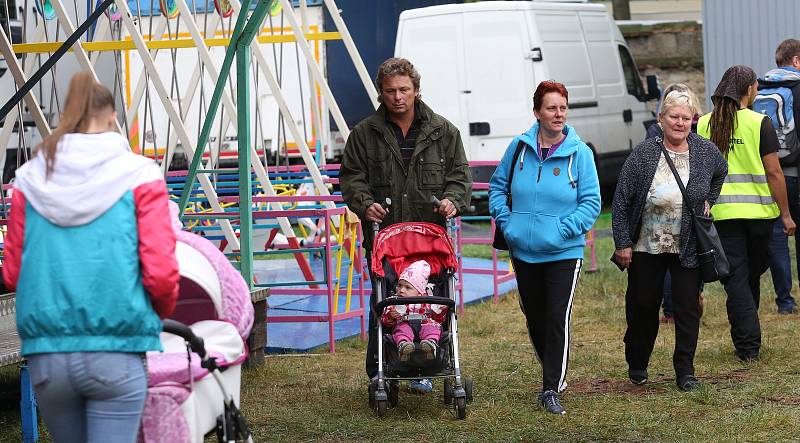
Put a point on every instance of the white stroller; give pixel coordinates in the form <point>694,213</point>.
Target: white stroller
<point>187,396</point>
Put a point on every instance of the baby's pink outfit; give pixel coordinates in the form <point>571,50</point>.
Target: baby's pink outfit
<point>403,332</point>
<point>431,327</point>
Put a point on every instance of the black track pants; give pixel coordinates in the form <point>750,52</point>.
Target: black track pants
<point>643,301</point>
<point>546,291</point>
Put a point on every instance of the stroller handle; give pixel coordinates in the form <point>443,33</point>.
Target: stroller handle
<point>183,331</point>
<point>449,222</point>
<point>385,205</point>
<point>414,300</point>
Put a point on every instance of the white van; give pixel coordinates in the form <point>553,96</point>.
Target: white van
<point>481,62</point>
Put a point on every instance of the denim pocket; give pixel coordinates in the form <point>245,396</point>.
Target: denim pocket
<point>109,368</point>
<point>39,370</point>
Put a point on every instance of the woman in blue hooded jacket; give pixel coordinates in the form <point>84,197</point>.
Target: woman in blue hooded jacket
<point>555,201</point>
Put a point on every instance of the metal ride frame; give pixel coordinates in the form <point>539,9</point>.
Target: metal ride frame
<point>331,246</point>
<point>147,49</point>
<point>240,49</point>
<point>241,46</point>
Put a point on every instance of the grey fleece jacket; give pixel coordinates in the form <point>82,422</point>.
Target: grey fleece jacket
<point>707,171</point>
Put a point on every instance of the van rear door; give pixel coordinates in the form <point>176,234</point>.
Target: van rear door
<point>500,80</point>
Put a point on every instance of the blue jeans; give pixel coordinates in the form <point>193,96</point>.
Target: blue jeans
<point>666,303</point>
<point>780,264</point>
<point>90,396</point>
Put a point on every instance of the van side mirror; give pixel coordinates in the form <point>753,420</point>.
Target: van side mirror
<point>652,88</point>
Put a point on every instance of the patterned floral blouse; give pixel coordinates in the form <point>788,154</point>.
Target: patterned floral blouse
<point>661,219</point>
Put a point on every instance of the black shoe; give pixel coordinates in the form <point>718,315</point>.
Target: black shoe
<point>787,310</point>
<point>688,383</point>
<point>550,402</point>
<point>746,358</point>
<point>637,376</point>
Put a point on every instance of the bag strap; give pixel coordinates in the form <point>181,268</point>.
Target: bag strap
<point>520,147</point>
<point>675,173</point>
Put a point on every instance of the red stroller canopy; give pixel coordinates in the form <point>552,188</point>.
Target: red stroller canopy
<point>405,243</point>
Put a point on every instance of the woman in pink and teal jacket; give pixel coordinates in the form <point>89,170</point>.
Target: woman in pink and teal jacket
<point>91,255</point>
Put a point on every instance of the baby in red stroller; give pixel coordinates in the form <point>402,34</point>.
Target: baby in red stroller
<point>413,281</point>
<point>415,292</point>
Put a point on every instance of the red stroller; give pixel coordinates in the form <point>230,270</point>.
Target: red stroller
<point>396,247</point>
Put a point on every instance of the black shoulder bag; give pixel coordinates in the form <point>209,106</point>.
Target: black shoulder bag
<point>499,241</point>
<point>713,263</point>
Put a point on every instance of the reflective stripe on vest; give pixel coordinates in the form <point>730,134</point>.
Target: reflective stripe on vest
<point>745,193</point>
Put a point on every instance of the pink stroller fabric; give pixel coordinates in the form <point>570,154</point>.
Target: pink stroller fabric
<point>170,374</point>
<point>163,420</point>
<point>236,306</point>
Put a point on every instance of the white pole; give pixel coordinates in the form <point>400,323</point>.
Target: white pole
<point>316,117</point>
<point>141,82</point>
<point>77,49</point>
<point>8,124</point>
<point>163,95</point>
<point>315,68</point>
<point>231,112</point>
<point>20,78</point>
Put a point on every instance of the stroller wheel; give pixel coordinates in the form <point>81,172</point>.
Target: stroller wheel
<point>448,391</point>
<point>393,394</point>
<point>469,385</point>
<point>373,386</point>
<point>461,408</point>
<point>380,407</point>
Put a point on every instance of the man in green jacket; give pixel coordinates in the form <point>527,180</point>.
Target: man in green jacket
<point>406,152</point>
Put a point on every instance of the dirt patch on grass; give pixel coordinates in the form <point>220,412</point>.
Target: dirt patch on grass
<point>740,374</point>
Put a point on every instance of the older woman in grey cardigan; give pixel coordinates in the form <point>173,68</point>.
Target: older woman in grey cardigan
<point>653,233</point>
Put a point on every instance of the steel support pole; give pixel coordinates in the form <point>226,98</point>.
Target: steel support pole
<point>316,70</point>
<point>80,54</point>
<point>245,178</point>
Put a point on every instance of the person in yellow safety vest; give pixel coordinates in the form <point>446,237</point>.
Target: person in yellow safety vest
<point>752,197</point>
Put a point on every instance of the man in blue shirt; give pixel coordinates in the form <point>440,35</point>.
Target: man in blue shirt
<point>787,57</point>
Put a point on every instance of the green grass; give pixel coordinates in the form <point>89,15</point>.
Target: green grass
<point>323,397</point>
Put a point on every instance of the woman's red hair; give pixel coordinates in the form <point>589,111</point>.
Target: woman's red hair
<point>545,87</point>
